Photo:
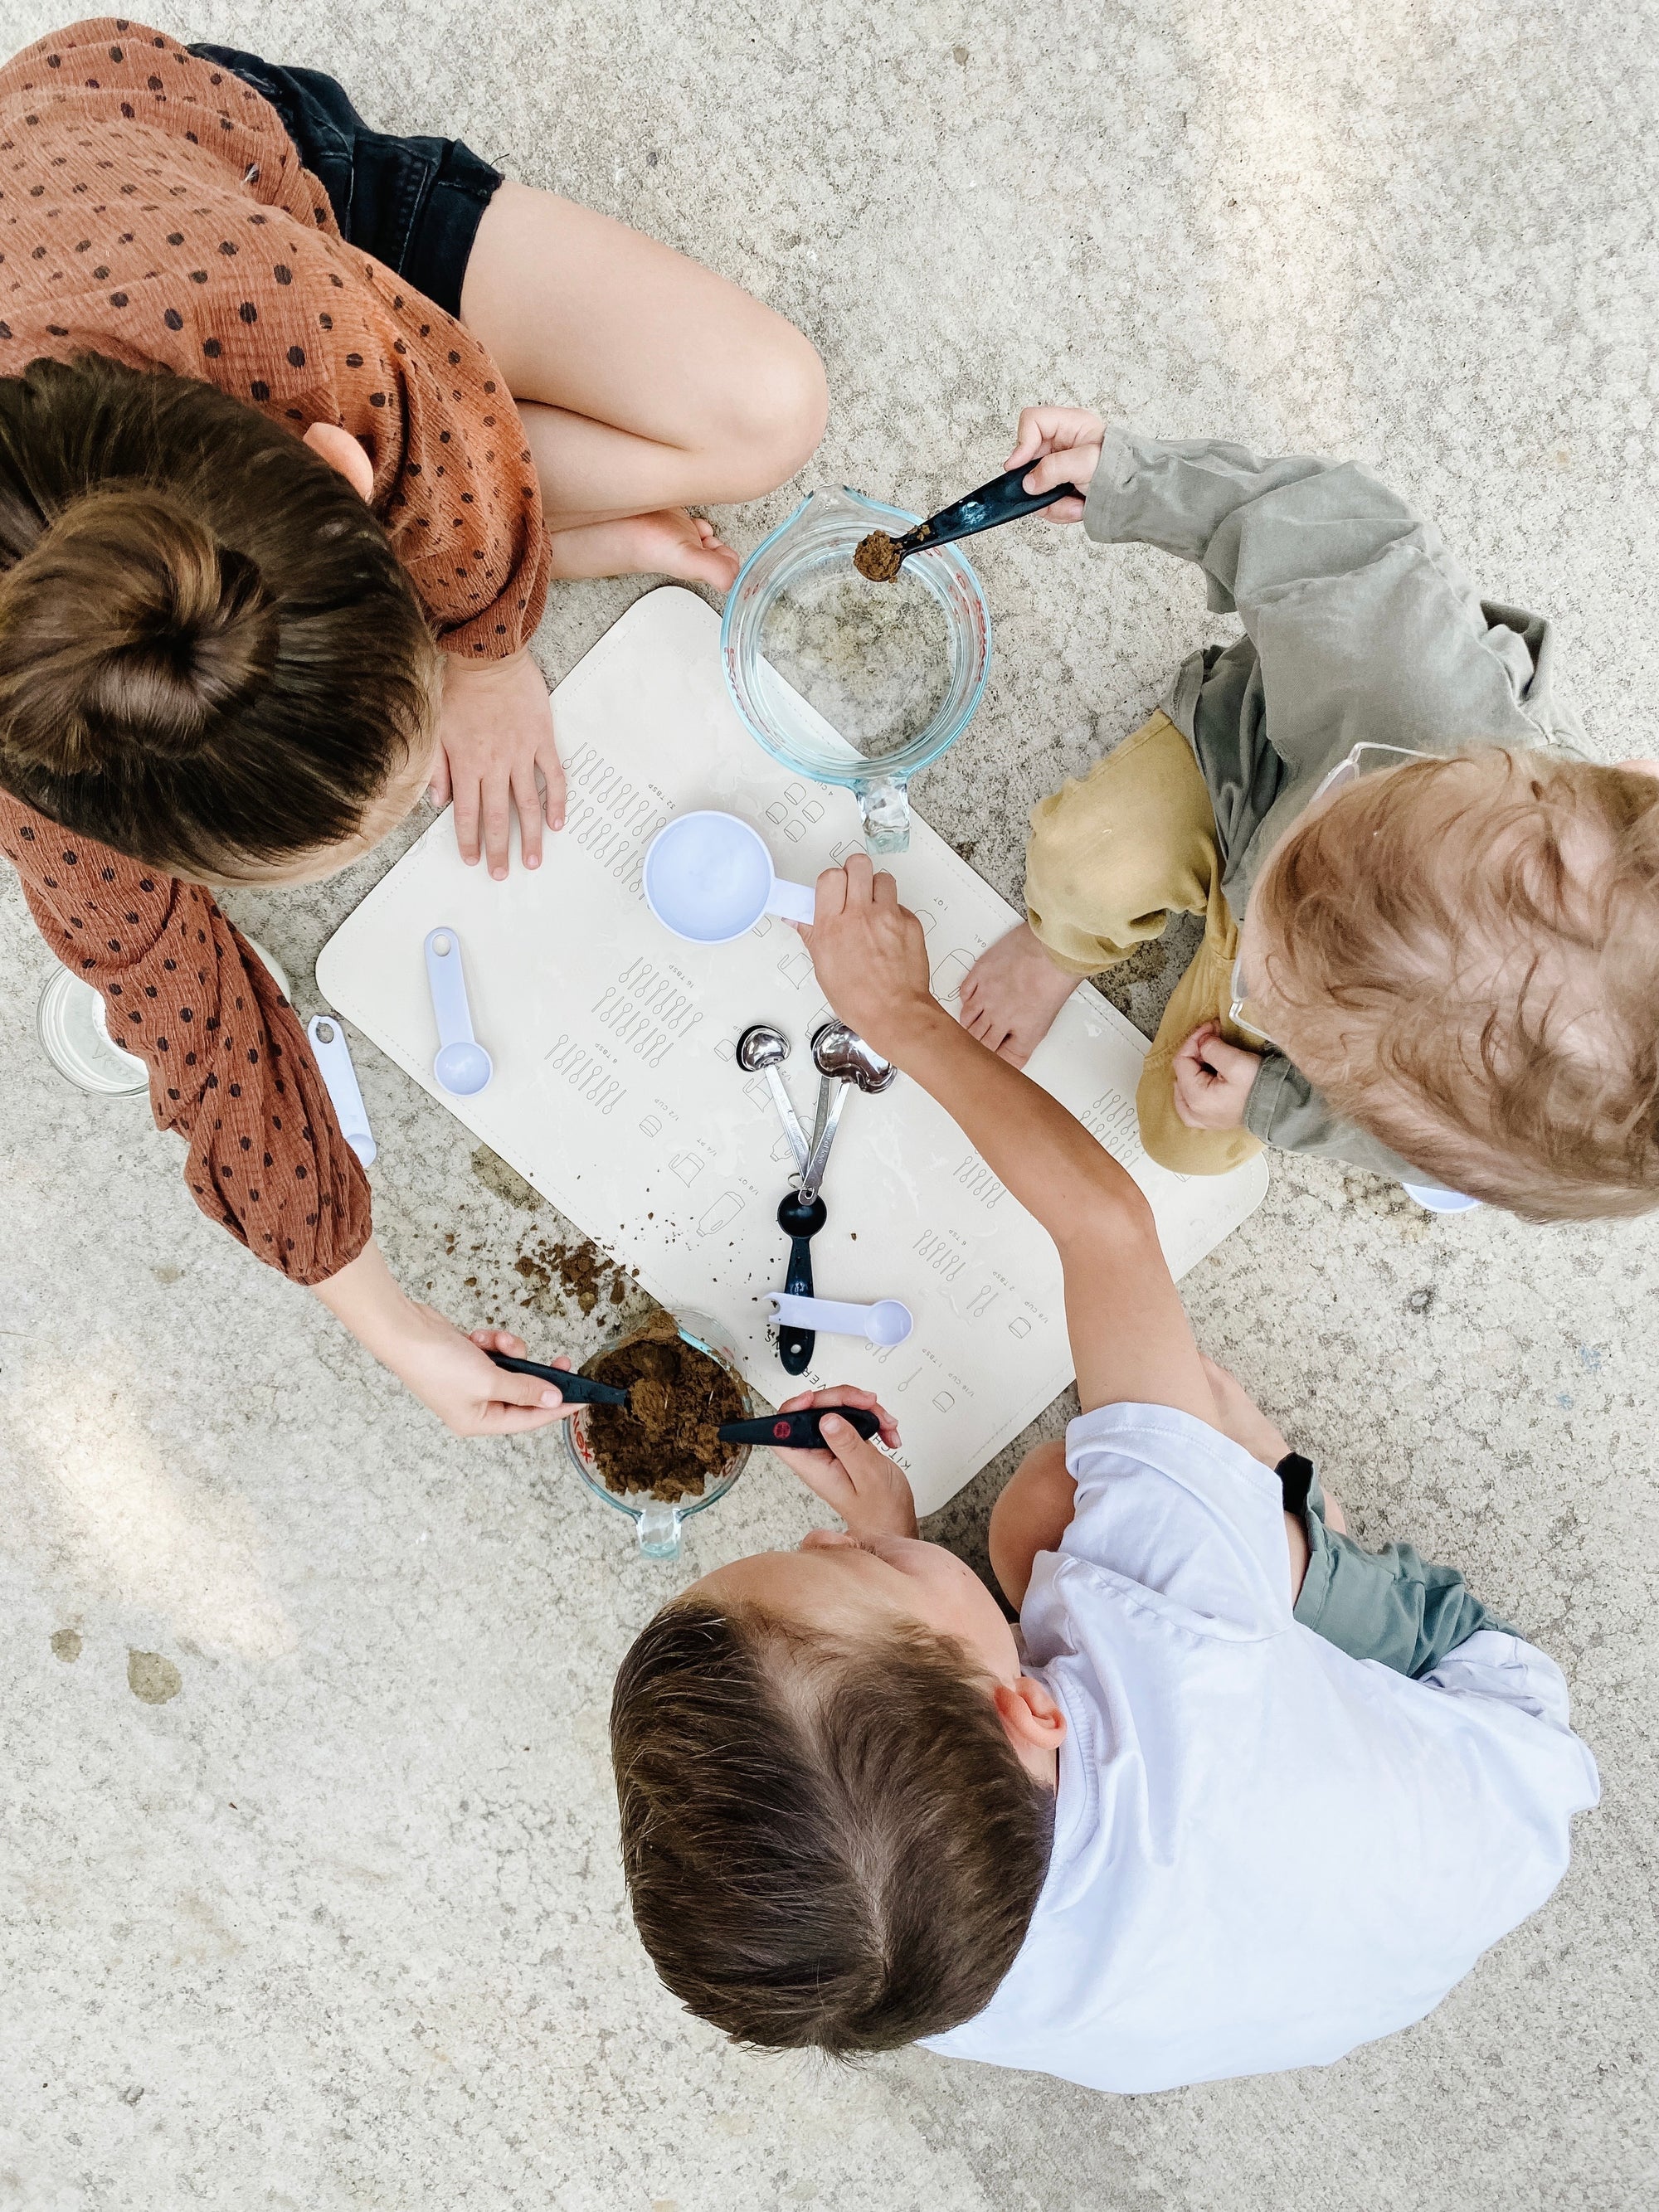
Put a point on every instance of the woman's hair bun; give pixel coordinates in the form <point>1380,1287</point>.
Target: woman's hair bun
<point>210,656</point>
<point>127,631</point>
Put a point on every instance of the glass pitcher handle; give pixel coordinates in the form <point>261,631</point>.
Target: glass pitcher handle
<point>658,1530</point>
<point>884,805</point>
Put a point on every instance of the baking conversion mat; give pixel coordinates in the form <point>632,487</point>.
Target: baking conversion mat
<point>617,1093</point>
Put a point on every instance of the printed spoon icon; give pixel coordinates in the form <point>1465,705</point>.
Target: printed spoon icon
<point>461,1065</point>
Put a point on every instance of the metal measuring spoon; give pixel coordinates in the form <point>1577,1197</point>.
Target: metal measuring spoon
<point>839,1051</point>
<point>761,1050</point>
<point>842,1058</point>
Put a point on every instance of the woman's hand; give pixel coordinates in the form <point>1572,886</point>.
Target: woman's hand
<point>495,732</point>
<point>451,1374</point>
<point>869,952</point>
<point>871,1492</point>
<point>1064,442</point>
<point>1214,1080</point>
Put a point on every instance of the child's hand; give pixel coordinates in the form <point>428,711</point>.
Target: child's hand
<point>871,1492</point>
<point>495,730</point>
<point>869,952</point>
<point>1065,443</point>
<point>1212,1080</point>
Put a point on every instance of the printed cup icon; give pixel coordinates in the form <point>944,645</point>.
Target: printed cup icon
<point>709,877</point>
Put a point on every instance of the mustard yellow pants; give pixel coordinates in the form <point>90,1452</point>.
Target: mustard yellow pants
<point>1112,856</point>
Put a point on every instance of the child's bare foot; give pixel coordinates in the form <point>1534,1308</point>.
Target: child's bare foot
<point>669,543</point>
<point>1012,994</point>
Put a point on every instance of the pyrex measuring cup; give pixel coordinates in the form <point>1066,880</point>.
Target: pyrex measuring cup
<point>821,535</point>
<point>657,1520</point>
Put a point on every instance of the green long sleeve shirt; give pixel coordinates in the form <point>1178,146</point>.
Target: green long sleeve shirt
<point>1359,628</point>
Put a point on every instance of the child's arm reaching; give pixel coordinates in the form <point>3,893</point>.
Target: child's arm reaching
<point>1130,1337</point>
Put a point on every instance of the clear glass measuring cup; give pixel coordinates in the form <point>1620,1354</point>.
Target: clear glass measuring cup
<point>848,681</point>
<point>657,1520</point>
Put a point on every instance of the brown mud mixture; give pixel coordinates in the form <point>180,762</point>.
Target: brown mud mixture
<point>666,1445</point>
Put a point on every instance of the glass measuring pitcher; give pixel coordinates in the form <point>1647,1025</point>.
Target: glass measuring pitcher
<point>849,682</point>
<point>657,1522</point>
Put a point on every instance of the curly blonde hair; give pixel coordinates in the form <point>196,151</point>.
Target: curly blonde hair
<point>1463,954</point>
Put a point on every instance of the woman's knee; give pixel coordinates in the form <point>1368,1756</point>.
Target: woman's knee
<point>772,416</point>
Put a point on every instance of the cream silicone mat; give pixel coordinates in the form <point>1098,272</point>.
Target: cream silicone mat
<point>617,1095</point>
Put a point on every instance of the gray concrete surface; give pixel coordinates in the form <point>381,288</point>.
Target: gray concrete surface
<point>338,1921</point>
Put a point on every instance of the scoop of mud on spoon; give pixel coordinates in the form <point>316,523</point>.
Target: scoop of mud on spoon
<point>879,557</point>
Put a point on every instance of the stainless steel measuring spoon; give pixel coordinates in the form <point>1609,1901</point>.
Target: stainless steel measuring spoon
<point>761,1050</point>
<point>842,1059</point>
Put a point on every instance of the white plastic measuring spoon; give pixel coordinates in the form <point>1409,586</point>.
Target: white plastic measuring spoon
<point>888,1321</point>
<point>709,878</point>
<point>461,1065</point>
<point>333,1058</point>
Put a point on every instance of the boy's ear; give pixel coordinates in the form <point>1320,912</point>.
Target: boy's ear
<point>1031,1717</point>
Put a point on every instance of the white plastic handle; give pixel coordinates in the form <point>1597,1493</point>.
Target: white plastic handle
<point>333,1058</point>
<point>793,901</point>
<point>887,1321</point>
<point>448,987</point>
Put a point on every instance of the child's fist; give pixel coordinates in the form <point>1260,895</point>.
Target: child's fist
<point>871,1492</point>
<point>1212,1080</point>
<point>1064,442</point>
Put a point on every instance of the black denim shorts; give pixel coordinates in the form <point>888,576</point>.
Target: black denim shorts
<point>415,204</point>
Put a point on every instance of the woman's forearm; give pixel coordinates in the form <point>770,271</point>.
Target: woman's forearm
<point>365,1298</point>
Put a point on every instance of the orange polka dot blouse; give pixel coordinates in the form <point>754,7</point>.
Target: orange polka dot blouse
<point>154,209</point>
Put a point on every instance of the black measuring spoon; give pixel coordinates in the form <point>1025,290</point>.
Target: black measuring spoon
<point>879,557</point>
<point>798,1431</point>
<point>575,1389</point>
<point>800,1218</point>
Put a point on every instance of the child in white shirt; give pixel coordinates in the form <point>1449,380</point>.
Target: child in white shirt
<point>1171,1831</point>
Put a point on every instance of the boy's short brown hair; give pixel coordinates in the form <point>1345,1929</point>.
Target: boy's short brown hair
<point>826,1844</point>
<point>1464,957</point>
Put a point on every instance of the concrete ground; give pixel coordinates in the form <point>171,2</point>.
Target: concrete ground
<point>309,1857</point>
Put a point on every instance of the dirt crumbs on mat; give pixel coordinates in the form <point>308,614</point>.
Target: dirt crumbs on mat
<point>582,1273</point>
<point>877,557</point>
<point>666,1444</point>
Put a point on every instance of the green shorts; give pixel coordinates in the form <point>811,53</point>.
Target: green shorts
<point>1392,1606</point>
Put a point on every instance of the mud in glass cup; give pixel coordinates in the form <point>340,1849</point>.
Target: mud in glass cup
<point>657,1520</point>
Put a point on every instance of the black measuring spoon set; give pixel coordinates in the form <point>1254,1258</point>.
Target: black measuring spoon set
<point>844,1061</point>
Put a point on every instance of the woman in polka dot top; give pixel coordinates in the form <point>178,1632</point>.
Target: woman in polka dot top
<point>519,390</point>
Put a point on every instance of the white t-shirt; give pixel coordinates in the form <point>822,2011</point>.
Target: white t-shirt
<point>1264,1851</point>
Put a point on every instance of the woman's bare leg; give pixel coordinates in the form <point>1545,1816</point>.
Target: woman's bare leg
<point>646,383</point>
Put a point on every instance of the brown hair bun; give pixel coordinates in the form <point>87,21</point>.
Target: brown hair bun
<point>185,634</point>
<point>210,657</point>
